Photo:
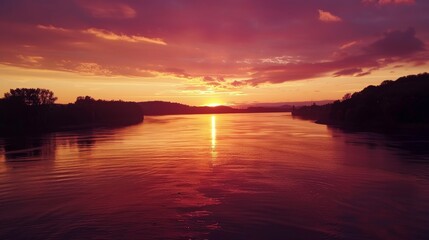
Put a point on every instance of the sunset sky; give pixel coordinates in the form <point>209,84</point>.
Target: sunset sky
<point>201,52</point>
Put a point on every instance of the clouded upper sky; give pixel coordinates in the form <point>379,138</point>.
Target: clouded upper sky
<point>203,51</point>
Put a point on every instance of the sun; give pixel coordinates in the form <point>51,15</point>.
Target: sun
<point>214,104</point>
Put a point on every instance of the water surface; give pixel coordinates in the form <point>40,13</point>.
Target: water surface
<point>226,176</point>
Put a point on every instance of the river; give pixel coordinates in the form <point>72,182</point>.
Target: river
<point>223,176</point>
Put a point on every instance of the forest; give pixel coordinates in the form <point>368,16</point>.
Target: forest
<point>393,105</point>
<point>29,110</point>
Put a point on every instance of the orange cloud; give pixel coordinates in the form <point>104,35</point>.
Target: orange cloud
<point>325,16</point>
<point>30,59</point>
<point>104,34</point>
<point>52,28</point>
<point>348,45</point>
<point>93,69</point>
<point>107,35</point>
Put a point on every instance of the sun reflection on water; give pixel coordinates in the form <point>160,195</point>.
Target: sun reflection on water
<point>213,137</point>
<point>213,132</point>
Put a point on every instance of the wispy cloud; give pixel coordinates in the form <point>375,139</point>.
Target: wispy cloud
<point>52,28</point>
<point>104,34</point>
<point>30,59</point>
<point>93,69</point>
<point>386,2</point>
<point>348,45</point>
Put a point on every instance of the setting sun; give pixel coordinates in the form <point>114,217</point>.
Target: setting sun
<point>214,104</point>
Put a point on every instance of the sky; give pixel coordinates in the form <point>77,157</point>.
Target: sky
<point>205,52</point>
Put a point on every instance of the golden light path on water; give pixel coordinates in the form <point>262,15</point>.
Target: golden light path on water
<point>213,136</point>
<point>208,176</point>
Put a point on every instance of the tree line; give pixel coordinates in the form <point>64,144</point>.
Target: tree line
<point>401,104</point>
<point>25,110</point>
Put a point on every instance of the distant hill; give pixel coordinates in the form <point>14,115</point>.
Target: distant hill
<point>393,105</point>
<point>169,108</point>
<point>285,104</point>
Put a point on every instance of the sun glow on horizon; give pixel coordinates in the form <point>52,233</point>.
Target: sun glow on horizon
<point>214,104</point>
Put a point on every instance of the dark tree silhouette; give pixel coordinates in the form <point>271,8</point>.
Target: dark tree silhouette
<point>347,96</point>
<point>393,105</point>
<point>32,110</point>
<point>31,96</point>
<point>83,100</point>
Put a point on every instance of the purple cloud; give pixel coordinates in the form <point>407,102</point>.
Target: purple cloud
<point>397,44</point>
<point>394,46</point>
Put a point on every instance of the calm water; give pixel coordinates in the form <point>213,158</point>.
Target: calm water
<point>230,176</point>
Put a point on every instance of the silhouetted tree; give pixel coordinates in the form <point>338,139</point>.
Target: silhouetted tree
<point>391,105</point>
<point>386,82</point>
<point>347,96</point>
<point>86,99</point>
<point>32,110</point>
<point>31,96</point>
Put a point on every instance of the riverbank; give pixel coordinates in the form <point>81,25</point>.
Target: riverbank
<point>23,119</point>
<point>392,107</point>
